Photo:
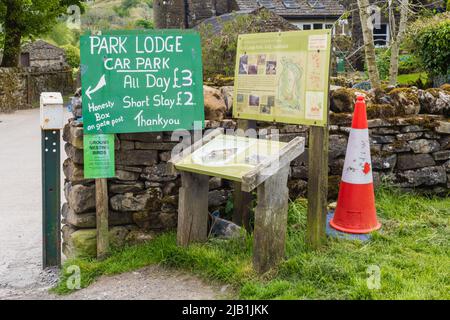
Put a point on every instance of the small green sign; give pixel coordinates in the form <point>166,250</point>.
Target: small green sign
<point>99,156</point>
<point>141,81</point>
<point>283,77</point>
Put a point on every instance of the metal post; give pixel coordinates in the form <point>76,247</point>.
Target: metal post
<point>51,198</point>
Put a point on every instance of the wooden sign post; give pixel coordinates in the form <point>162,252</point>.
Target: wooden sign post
<point>102,211</point>
<point>317,185</point>
<point>242,200</point>
<point>99,164</point>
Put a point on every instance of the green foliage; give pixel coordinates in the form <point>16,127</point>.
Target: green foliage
<point>124,9</point>
<point>117,14</point>
<point>408,63</point>
<point>144,24</point>
<point>128,4</point>
<point>219,50</point>
<point>383,59</point>
<point>418,79</point>
<point>121,11</point>
<point>37,16</point>
<point>27,19</point>
<point>411,251</point>
<point>72,55</point>
<point>61,35</point>
<point>429,39</point>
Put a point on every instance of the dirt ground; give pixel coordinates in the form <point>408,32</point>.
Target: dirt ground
<point>21,274</point>
<point>150,283</point>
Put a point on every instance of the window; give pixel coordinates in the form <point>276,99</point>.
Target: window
<point>25,59</point>
<point>314,26</point>
<point>381,35</point>
<point>316,4</point>
<point>268,4</point>
<point>318,26</point>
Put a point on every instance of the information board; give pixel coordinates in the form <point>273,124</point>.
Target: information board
<point>230,157</point>
<point>99,156</point>
<point>141,81</point>
<point>283,77</point>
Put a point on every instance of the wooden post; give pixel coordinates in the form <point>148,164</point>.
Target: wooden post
<point>317,185</point>
<point>193,209</point>
<point>101,203</point>
<point>271,221</point>
<point>29,89</point>
<point>242,200</point>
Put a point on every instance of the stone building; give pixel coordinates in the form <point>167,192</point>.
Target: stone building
<point>42,54</point>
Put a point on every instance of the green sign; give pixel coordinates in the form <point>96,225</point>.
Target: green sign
<point>99,156</point>
<point>283,77</point>
<point>141,81</point>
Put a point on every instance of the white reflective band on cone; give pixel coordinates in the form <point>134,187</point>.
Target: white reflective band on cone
<point>358,165</point>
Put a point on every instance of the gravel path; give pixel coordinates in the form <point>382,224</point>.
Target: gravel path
<point>20,201</point>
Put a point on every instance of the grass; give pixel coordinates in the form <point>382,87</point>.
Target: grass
<point>411,250</point>
<point>411,78</point>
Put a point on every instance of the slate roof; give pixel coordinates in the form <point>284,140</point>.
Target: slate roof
<point>331,8</point>
<point>40,44</point>
<point>216,22</point>
<point>275,22</point>
<point>41,49</point>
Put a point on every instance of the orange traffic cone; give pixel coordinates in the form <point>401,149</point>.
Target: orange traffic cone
<point>355,211</point>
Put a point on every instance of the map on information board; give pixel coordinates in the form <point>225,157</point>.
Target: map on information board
<point>141,81</point>
<point>283,77</point>
<point>230,157</point>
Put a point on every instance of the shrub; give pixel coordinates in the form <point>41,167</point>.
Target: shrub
<point>219,50</point>
<point>408,63</point>
<point>429,39</point>
<point>72,55</point>
<point>60,34</point>
<point>383,58</point>
<point>144,24</point>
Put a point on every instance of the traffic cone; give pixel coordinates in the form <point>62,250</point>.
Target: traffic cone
<point>355,211</point>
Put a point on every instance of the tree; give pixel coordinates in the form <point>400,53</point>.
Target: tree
<point>397,38</point>
<point>28,18</point>
<point>369,46</point>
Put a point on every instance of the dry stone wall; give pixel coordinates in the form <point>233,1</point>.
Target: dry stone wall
<point>143,198</point>
<point>13,90</point>
<point>411,151</point>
